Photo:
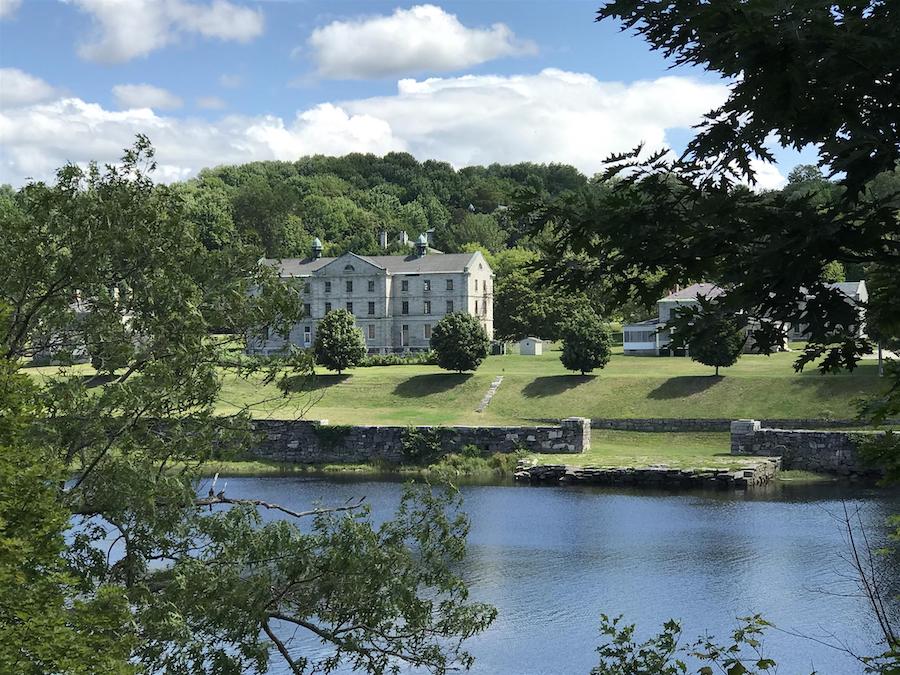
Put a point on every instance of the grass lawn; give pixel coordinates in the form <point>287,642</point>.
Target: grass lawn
<point>536,387</point>
<point>539,387</point>
<point>636,449</point>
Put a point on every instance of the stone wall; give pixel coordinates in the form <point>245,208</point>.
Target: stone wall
<point>664,424</point>
<point>312,442</point>
<point>753,475</point>
<point>820,451</point>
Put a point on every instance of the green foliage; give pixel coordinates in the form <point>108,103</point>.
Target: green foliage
<point>473,228</point>
<point>662,654</point>
<point>409,359</point>
<point>459,342</point>
<point>715,338</point>
<point>339,342</point>
<point>422,445</point>
<point>107,260</point>
<point>586,343</point>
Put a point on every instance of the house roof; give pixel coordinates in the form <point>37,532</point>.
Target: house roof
<point>395,264</point>
<point>691,292</point>
<point>849,288</point>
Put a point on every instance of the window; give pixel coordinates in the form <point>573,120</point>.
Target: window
<point>476,307</point>
<point>404,285</point>
<point>327,307</point>
<point>427,331</point>
<point>404,336</point>
<point>307,336</point>
<point>371,308</point>
<point>371,285</point>
<point>349,284</point>
<point>449,284</point>
<point>426,285</point>
<point>307,309</point>
<point>328,287</point>
<point>350,307</point>
<point>427,308</point>
<point>306,287</point>
<point>349,268</point>
<point>449,306</point>
<point>371,331</point>
<point>476,284</point>
<point>404,307</point>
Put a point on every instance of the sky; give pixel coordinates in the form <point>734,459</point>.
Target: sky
<point>223,82</point>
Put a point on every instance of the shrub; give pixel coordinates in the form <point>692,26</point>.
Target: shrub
<point>586,342</point>
<point>411,359</point>
<point>339,343</point>
<point>460,342</point>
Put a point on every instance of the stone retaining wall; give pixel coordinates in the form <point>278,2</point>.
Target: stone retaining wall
<point>820,451</point>
<point>654,476</point>
<point>671,424</point>
<point>313,442</point>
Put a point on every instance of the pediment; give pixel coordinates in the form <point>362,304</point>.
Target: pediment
<point>349,264</point>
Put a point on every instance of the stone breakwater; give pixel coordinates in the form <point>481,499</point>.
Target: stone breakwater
<point>314,442</point>
<point>833,452</point>
<point>759,473</point>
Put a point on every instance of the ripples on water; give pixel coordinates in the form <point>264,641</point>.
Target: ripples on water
<point>553,559</point>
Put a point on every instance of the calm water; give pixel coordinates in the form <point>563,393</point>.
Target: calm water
<point>552,559</point>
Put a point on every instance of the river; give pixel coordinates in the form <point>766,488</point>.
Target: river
<point>553,559</point>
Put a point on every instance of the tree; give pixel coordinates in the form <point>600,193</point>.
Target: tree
<point>119,458</point>
<point>586,343</point>
<point>460,342</point>
<point>713,338</point>
<point>340,344</point>
<point>475,228</point>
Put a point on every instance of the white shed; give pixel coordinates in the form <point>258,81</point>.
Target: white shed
<point>531,346</point>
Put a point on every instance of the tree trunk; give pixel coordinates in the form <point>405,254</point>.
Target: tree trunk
<point>717,371</point>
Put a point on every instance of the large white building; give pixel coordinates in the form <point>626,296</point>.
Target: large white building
<point>395,299</point>
<point>651,337</point>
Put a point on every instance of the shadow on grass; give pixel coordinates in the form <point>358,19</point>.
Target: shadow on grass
<point>304,383</point>
<point>425,385</point>
<point>684,385</point>
<point>552,385</point>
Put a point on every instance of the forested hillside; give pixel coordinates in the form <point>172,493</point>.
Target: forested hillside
<point>346,201</point>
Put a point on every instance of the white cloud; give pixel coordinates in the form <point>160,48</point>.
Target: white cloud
<point>768,177</point>
<point>19,88</point>
<point>551,116</point>
<point>210,103</point>
<point>145,96</point>
<point>8,8</point>
<point>231,81</point>
<point>422,38</point>
<point>124,30</point>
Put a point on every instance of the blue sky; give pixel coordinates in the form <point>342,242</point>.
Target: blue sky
<point>224,81</point>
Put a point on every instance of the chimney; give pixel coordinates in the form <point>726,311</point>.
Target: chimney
<point>317,248</point>
<point>421,245</point>
<point>403,238</point>
<point>383,239</point>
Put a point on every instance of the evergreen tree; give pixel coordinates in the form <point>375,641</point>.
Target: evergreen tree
<point>586,342</point>
<point>339,342</point>
<point>460,342</point>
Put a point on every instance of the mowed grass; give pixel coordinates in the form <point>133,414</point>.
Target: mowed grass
<point>636,449</point>
<point>536,388</point>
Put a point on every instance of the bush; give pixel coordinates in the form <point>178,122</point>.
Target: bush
<point>411,359</point>
<point>339,343</point>
<point>586,342</point>
<point>460,342</point>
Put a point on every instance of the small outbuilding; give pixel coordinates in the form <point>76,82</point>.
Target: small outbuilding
<point>531,346</point>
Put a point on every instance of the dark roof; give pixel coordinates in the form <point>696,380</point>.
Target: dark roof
<point>395,264</point>
<point>691,292</point>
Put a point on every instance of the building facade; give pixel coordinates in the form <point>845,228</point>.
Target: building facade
<point>651,337</point>
<point>395,299</point>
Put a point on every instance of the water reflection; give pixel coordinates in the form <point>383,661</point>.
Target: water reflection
<point>553,559</point>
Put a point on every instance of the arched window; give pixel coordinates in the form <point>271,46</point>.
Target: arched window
<point>349,268</point>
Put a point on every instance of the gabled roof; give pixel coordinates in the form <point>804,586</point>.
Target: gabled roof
<point>691,292</point>
<point>395,264</point>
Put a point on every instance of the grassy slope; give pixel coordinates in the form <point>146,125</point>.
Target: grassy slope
<point>538,387</point>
